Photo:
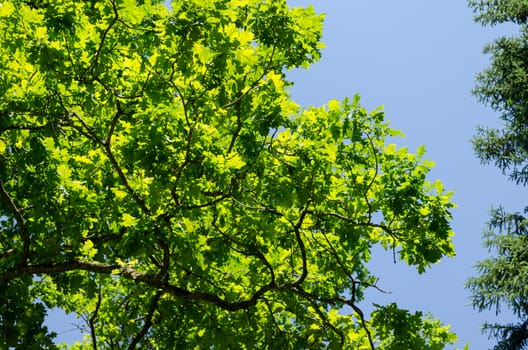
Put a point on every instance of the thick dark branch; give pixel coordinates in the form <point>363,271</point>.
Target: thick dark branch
<point>113,123</point>
<point>24,232</point>
<point>92,319</point>
<point>127,272</point>
<point>238,127</point>
<point>148,321</point>
<point>164,268</point>
<point>300,243</point>
<point>359,312</point>
<point>23,127</point>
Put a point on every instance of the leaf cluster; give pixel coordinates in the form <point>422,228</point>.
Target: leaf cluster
<point>492,12</point>
<point>503,87</point>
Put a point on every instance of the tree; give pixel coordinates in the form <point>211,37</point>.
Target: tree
<point>157,180</point>
<point>503,277</point>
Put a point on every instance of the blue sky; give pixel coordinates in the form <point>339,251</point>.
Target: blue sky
<point>419,59</point>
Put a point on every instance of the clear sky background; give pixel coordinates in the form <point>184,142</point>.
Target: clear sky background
<point>419,59</point>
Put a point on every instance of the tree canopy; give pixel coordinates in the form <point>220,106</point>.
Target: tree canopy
<point>157,180</point>
<point>503,86</point>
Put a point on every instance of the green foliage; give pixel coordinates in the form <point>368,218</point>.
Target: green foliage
<point>499,11</point>
<point>157,177</point>
<point>400,330</point>
<point>503,87</point>
<point>21,318</point>
<point>502,277</point>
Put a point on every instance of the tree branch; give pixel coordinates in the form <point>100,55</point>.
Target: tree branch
<point>91,321</point>
<point>113,123</point>
<point>339,300</point>
<point>23,127</point>
<point>300,243</point>
<point>254,251</point>
<point>24,232</point>
<point>151,280</point>
<point>148,321</point>
<point>385,228</point>
<point>376,169</point>
<point>238,127</point>
<point>124,180</point>
<point>103,38</point>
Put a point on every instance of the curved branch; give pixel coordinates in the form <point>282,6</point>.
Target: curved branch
<point>103,38</point>
<point>165,263</point>
<point>24,231</point>
<point>327,322</point>
<point>90,134</point>
<point>92,319</point>
<point>149,279</point>
<point>373,177</point>
<point>124,180</point>
<point>148,321</point>
<point>339,300</point>
<point>238,127</point>
<point>113,123</point>
<point>272,315</point>
<point>341,264</point>
<point>385,228</point>
<point>302,247</point>
<point>254,250</point>
<point>359,312</point>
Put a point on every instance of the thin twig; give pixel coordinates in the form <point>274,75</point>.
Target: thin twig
<point>339,300</point>
<point>376,166</point>
<point>103,38</point>
<point>253,250</point>
<point>124,180</point>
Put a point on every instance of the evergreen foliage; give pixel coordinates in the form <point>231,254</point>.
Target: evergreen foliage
<point>503,277</point>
